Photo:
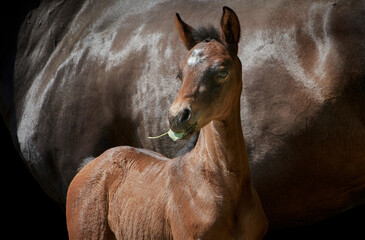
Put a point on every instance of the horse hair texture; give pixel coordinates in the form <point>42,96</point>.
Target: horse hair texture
<point>206,34</point>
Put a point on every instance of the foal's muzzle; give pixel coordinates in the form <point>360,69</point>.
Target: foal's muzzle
<point>180,120</point>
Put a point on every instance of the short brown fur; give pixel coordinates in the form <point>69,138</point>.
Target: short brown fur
<point>129,193</point>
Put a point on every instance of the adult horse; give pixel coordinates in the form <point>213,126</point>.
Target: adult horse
<point>90,75</point>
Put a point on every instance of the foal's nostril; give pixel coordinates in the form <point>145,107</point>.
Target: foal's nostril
<point>179,121</point>
<point>184,115</point>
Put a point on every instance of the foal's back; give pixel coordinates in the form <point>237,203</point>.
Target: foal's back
<point>130,181</point>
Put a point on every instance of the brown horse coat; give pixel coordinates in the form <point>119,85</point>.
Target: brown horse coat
<point>130,193</point>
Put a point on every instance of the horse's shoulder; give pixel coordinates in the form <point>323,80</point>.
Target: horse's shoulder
<point>120,160</point>
<point>100,168</point>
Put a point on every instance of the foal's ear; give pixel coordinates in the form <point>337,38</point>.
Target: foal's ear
<point>185,32</point>
<point>231,30</point>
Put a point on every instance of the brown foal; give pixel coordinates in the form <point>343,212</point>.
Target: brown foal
<point>129,193</point>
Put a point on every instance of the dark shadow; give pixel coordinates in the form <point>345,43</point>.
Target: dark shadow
<point>27,210</point>
<point>348,225</point>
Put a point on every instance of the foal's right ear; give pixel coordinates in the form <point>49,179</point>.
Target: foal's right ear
<point>185,32</point>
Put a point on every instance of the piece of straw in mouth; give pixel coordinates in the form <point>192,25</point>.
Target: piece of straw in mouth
<point>174,136</point>
<point>159,135</point>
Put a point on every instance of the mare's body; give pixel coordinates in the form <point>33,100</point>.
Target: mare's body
<point>93,75</point>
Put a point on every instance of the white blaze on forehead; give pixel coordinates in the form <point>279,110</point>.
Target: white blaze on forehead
<point>196,57</point>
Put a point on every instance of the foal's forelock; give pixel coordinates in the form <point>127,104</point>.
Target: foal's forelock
<point>206,34</point>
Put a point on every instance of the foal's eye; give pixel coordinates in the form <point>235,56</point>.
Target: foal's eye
<point>222,74</point>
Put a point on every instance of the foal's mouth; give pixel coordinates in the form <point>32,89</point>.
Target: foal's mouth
<point>186,134</point>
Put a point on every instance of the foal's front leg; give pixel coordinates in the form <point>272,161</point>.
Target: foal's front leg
<point>252,218</point>
<point>87,204</point>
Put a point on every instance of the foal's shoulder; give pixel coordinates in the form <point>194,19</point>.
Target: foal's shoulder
<point>124,154</point>
<point>123,158</point>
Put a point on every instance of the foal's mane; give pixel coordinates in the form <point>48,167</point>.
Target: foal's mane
<point>206,34</point>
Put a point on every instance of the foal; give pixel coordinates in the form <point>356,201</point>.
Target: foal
<point>129,193</point>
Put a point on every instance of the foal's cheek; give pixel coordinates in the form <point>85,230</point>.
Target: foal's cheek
<point>209,114</point>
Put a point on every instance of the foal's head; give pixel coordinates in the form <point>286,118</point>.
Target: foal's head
<point>211,75</point>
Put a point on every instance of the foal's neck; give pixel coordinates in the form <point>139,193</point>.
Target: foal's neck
<point>222,150</point>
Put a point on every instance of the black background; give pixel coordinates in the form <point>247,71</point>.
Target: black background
<point>26,210</point>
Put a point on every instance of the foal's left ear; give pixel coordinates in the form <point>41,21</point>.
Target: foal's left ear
<point>231,30</point>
